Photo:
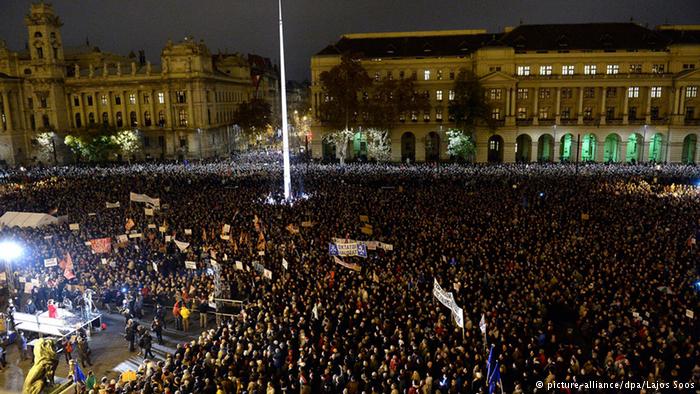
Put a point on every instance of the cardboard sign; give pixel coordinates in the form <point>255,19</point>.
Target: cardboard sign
<point>148,211</point>
<point>136,235</point>
<point>364,218</point>
<point>168,238</point>
<point>52,262</point>
<point>239,265</point>
<point>161,229</point>
<point>188,231</point>
<point>74,226</point>
<point>226,229</point>
<point>123,238</point>
<point>190,265</point>
<point>689,313</point>
<point>225,237</point>
<point>151,226</point>
<point>284,263</point>
<point>267,274</point>
<point>307,224</point>
<point>261,253</point>
<point>104,261</point>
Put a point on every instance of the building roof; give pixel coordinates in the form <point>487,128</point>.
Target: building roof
<point>554,37</point>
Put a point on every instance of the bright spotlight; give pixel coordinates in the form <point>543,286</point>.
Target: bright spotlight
<point>10,250</point>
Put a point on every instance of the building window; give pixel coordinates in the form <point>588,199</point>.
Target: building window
<point>493,145</point>
<point>544,113</point>
<point>545,70</point>
<point>414,75</point>
<point>183,143</point>
<point>452,75</point>
<point>390,75</point>
<point>103,99</point>
<point>565,113</point>
<point>610,113</point>
<point>438,95</point>
<point>147,98</point>
<point>567,93</point>
<point>656,92</point>
<point>40,53</point>
<point>438,114</point>
<point>522,93</point>
<point>161,98</point>
<point>544,93</point>
<point>688,66</point>
<point>89,100</point>
<point>43,103</point>
<point>402,117</point>
<point>496,114</point>
<point>180,97</point>
<point>426,75</point>
<point>522,113</point>
<point>691,91</point>
<point>161,119</point>
<point>132,98</point>
<point>633,92</point>
<point>146,142</point>
<point>635,68</point>
<point>117,100</point>
<point>523,70</point>
<point>589,93</point>
<point>78,121</point>
<point>377,77</point>
<point>105,118</point>
<point>654,113</point>
<point>426,116</point>
<point>147,118</point>
<point>438,75</point>
<point>414,116</point>
<point>589,69</point>
<point>402,74</point>
<point>120,121</point>
<point>610,92</point>
<point>495,94</point>
<point>30,102</point>
<point>76,101</point>
<point>494,68</point>
<point>690,113</point>
<point>612,69</point>
<point>567,70</point>
<point>45,121</point>
<point>161,141</point>
<point>658,68</point>
<point>32,122</point>
<point>632,113</point>
<point>132,119</point>
<point>183,117</point>
<point>91,118</point>
<point>588,113</point>
<point>451,95</point>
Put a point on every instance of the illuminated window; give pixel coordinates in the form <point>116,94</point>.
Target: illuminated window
<point>612,69</point>
<point>414,116</point>
<point>588,113</point>
<point>103,99</point>
<point>495,94</point>
<point>132,98</point>
<point>182,117</point>
<point>376,76</point>
<point>545,93</point>
<point>438,95</point>
<point>655,91</point>
<point>523,70</point>
<point>565,113</point>
<point>544,113</point>
<point>589,69</point>
<point>451,95</point>
<point>633,92</point>
<point>658,68</point>
<point>522,113</point>
<point>146,98</point>
<point>438,75</point>
<point>181,97</point>
<point>426,116</point>
<point>545,70</point>
<point>589,93</point>
<point>438,114</point>
<point>426,75</point>
<point>161,98</point>
<point>635,68</point>
<point>691,91</point>
<point>567,70</point>
<point>496,113</point>
<point>522,93</point>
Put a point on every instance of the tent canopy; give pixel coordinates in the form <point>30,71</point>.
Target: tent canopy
<point>26,219</point>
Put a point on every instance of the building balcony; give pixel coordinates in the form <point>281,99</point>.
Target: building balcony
<point>636,121</point>
<point>499,122</point>
<point>591,122</point>
<point>691,122</point>
<point>569,122</point>
<point>610,121</point>
<point>599,77</point>
<point>546,122</point>
<point>658,121</point>
<point>523,122</point>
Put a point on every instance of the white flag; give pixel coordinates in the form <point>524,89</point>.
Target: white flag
<point>112,204</point>
<point>182,245</point>
<point>458,315</point>
<point>155,266</point>
<point>482,324</point>
<point>226,229</point>
<point>267,274</point>
<point>284,263</point>
<point>239,265</point>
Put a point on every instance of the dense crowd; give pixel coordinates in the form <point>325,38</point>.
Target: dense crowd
<point>581,272</point>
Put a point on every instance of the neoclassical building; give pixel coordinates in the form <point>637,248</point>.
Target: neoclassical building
<point>589,92</point>
<point>182,108</point>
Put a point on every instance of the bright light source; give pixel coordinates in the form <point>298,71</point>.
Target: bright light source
<point>10,250</point>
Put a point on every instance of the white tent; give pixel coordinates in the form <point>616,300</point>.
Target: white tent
<point>26,219</point>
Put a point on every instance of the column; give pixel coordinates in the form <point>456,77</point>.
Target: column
<point>139,114</point>
<point>681,104</point>
<point>622,157</point>
<point>599,149</point>
<point>83,118</point>
<point>580,105</point>
<point>676,99</point>
<point>6,110</point>
<point>557,115</point>
<point>190,109</point>
<point>647,113</point>
<point>125,113</point>
<point>535,109</point>
<point>167,109</point>
<point>534,154</point>
<point>151,107</point>
<point>98,107</point>
<point>602,105</point>
<point>513,105</point>
<point>508,92</point>
<point>625,104</point>
<point>110,112</point>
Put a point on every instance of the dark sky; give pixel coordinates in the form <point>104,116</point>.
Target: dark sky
<point>251,25</point>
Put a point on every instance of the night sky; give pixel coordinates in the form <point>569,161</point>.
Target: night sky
<point>250,26</point>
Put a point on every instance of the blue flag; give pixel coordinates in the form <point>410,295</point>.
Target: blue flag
<point>362,250</point>
<point>332,249</point>
<point>489,362</point>
<point>78,374</point>
<point>494,378</point>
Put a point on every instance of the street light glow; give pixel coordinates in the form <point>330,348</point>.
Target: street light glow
<point>10,250</point>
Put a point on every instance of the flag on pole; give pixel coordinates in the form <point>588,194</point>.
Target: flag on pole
<point>494,378</point>
<point>482,324</point>
<point>78,374</point>
<point>489,362</point>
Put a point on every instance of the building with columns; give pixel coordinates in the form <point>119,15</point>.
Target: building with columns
<point>604,92</point>
<point>182,108</point>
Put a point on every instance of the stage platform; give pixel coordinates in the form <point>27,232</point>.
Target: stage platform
<point>65,324</point>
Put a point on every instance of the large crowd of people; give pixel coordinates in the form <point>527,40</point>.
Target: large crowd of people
<point>580,273</point>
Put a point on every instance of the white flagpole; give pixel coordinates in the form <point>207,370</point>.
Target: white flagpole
<point>285,128</point>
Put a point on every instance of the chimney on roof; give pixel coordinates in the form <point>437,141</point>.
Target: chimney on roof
<point>142,57</point>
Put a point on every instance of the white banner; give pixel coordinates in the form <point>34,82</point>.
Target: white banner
<point>182,245</point>
<point>284,263</point>
<point>155,202</point>
<point>52,262</point>
<point>190,265</point>
<point>353,267</point>
<point>135,235</point>
<point>447,299</point>
<point>112,204</point>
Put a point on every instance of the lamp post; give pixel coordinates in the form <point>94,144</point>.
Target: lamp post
<point>9,251</point>
<point>283,97</point>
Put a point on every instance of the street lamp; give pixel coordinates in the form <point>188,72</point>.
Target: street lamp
<point>9,251</point>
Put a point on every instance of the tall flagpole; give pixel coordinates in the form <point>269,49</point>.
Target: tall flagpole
<point>285,128</point>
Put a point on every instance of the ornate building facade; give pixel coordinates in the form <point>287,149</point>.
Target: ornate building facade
<point>182,108</point>
<point>604,92</point>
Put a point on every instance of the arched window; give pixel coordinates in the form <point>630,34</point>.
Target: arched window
<point>132,119</point>
<point>147,118</point>
<point>161,119</point>
<point>45,121</point>
<point>91,118</point>
<point>120,122</point>
<point>39,52</point>
<point>38,35</point>
<point>105,118</point>
<point>78,122</point>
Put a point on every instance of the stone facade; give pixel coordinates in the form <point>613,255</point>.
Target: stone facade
<point>182,108</point>
<point>591,92</point>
